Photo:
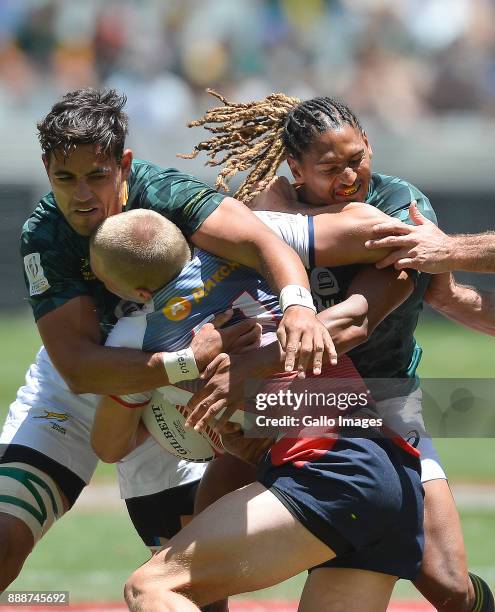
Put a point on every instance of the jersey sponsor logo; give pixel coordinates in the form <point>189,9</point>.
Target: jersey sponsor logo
<point>57,416</point>
<point>38,282</point>
<point>217,277</point>
<point>178,307</point>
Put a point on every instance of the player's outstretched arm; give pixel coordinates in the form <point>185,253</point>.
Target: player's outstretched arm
<point>340,231</point>
<point>474,252</point>
<point>258,247</point>
<point>466,305</point>
<point>425,247</point>
<point>340,236</point>
<point>72,338</point>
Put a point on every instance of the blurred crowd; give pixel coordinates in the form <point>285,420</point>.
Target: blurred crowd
<point>396,61</point>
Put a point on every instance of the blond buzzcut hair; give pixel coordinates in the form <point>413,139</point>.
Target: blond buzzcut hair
<point>140,249</point>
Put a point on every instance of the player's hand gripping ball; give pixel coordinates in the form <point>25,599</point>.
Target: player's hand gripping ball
<point>165,417</point>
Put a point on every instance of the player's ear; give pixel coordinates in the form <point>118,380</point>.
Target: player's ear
<point>125,163</point>
<point>144,294</point>
<point>295,169</point>
<point>367,143</point>
<point>46,161</point>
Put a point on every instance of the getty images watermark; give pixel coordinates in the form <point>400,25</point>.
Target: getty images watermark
<point>305,407</point>
<point>438,408</point>
<point>322,409</point>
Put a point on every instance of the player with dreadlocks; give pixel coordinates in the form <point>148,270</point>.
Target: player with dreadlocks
<point>261,135</point>
<point>329,156</point>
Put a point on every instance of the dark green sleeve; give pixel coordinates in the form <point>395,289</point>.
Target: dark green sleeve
<point>420,279</point>
<point>182,198</point>
<point>52,275</point>
<point>396,197</point>
<point>424,208</point>
<point>393,195</point>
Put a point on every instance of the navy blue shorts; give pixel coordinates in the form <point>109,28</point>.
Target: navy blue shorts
<point>362,497</point>
<point>160,515</point>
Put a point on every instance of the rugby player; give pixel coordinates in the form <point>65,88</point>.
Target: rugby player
<point>329,156</point>
<point>46,454</point>
<point>355,499</point>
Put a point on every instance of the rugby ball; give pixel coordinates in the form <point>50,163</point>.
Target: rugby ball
<point>165,418</point>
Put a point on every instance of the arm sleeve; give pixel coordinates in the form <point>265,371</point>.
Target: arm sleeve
<point>397,206</point>
<point>400,209</point>
<point>294,230</point>
<point>182,198</point>
<point>51,275</point>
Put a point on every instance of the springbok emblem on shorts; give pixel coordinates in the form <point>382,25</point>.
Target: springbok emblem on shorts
<point>58,416</point>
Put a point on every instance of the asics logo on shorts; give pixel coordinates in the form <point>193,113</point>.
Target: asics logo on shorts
<point>413,437</point>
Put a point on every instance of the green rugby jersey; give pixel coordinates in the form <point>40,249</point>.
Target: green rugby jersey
<point>391,351</point>
<point>56,258</point>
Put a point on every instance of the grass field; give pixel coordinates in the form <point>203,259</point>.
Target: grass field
<point>91,552</point>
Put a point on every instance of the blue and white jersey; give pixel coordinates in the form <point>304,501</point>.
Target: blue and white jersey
<point>209,285</point>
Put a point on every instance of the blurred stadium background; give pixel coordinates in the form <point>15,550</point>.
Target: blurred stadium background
<point>420,74</point>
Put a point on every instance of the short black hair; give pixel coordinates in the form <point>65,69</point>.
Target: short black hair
<point>86,116</point>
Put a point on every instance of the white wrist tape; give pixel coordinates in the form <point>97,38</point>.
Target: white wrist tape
<point>180,365</point>
<point>292,295</point>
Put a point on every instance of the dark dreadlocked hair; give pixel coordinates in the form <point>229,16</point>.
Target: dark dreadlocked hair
<point>262,134</point>
<point>85,116</point>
